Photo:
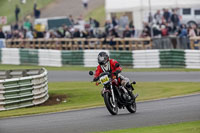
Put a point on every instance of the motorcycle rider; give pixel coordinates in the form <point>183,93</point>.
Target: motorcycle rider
<point>111,65</point>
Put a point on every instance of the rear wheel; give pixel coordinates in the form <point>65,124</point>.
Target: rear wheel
<point>110,104</point>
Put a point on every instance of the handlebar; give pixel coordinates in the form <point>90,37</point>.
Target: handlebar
<point>106,73</point>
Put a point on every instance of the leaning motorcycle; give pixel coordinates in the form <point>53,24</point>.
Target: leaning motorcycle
<point>115,96</point>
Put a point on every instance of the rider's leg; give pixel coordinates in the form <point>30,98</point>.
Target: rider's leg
<point>125,82</point>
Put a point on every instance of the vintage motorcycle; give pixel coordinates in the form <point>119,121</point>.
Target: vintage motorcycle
<point>116,96</point>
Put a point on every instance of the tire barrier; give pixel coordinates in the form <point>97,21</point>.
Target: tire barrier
<point>169,58</point>
<point>23,88</point>
<point>172,58</point>
<point>146,59</point>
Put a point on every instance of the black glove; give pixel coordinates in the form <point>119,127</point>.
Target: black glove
<point>95,79</point>
<point>117,72</point>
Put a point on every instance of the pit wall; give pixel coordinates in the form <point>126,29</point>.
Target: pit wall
<point>88,58</point>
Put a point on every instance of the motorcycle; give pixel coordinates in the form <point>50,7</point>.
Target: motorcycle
<point>115,96</point>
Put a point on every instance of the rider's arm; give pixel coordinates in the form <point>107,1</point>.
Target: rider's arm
<point>114,68</point>
<point>97,72</point>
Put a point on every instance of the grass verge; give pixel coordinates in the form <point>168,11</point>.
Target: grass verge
<point>86,94</point>
<point>98,14</point>
<point>184,127</point>
<point>8,8</point>
<point>82,68</point>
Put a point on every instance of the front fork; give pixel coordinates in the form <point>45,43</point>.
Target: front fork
<point>113,95</point>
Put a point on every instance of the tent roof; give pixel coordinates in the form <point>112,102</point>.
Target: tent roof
<point>131,5</point>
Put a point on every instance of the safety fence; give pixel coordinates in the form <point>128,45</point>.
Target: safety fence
<point>129,44</point>
<point>88,58</point>
<point>195,42</point>
<point>82,43</point>
<point>23,88</point>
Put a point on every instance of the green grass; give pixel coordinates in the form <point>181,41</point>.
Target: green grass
<point>86,94</point>
<point>98,14</point>
<point>8,8</point>
<point>81,68</point>
<point>184,127</point>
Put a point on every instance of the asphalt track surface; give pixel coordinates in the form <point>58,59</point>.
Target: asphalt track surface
<point>55,76</point>
<point>150,113</point>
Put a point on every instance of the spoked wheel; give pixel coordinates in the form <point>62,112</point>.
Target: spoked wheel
<point>110,104</point>
<point>132,107</point>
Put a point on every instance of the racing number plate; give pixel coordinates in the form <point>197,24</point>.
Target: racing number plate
<point>104,79</point>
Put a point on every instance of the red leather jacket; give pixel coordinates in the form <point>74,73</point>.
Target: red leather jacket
<point>112,67</point>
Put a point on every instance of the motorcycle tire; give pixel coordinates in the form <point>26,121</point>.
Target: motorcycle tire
<point>132,107</point>
<point>111,106</point>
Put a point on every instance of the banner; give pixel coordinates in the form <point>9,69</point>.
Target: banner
<point>3,19</point>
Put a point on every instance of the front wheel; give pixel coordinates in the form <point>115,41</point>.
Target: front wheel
<point>132,107</point>
<point>110,104</point>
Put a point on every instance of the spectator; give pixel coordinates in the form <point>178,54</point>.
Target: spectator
<point>198,31</point>
<point>92,23</point>
<point>29,35</point>
<point>15,27</point>
<point>164,31</point>
<point>150,18</point>
<point>166,15</point>
<point>39,34</point>
<point>169,27</point>
<point>81,21</point>
<point>182,32</point>
<point>96,23</point>
<point>8,35</point>
<point>71,19</point>
<point>127,32</point>
<point>175,20</point>
<point>131,24</point>
<point>132,30</point>
<point>34,7</point>
<point>46,34</point>
<point>108,25</point>
<point>156,30</point>
<point>112,34</point>
<point>85,3</point>
<point>76,34</point>
<point>27,25</point>
<point>36,11</point>
<point>2,35</point>
<point>85,34</point>
<point>158,17</point>
<point>114,21</point>
<point>192,32</point>
<point>147,29</point>
<point>123,21</point>
<point>17,11</point>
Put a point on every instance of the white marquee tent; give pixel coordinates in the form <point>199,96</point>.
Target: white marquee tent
<point>138,7</point>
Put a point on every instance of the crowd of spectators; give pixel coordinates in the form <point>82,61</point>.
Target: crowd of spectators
<point>91,29</point>
<point>162,23</point>
<point>168,23</point>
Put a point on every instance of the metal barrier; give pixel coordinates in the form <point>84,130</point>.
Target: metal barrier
<point>23,88</point>
<point>171,42</point>
<point>82,43</point>
<point>195,42</point>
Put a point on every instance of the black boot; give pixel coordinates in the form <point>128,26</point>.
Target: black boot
<point>129,86</point>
